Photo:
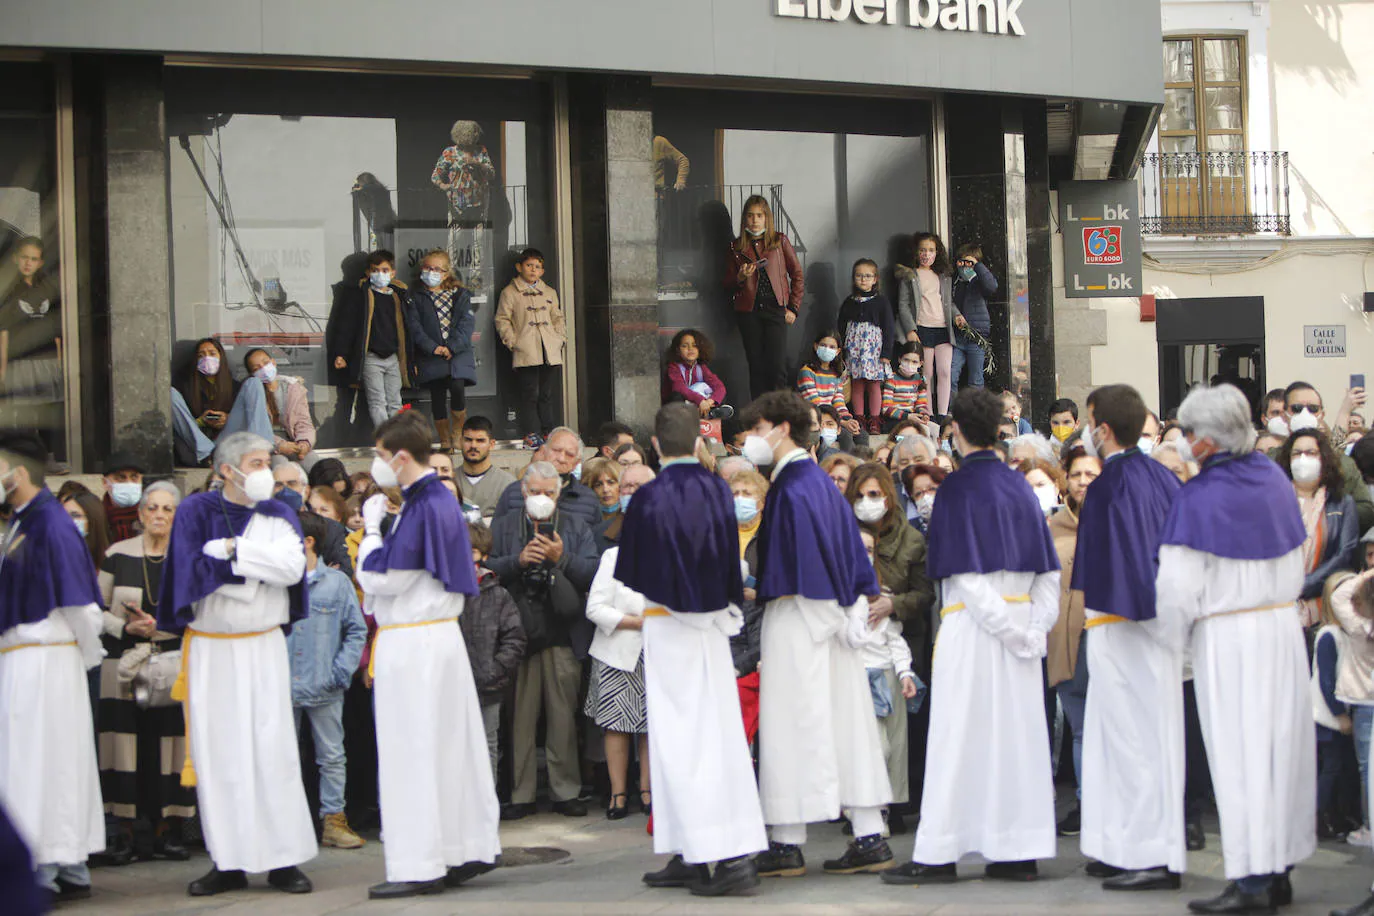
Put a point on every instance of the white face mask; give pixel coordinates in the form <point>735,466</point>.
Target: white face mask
<point>1304,419</point>
<point>126,495</point>
<point>383,475</point>
<point>431,278</point>
<point>258,485</point>
<point>5,488</point>
<point>909,368</point>
<point>754,233</point>
<point>870,509</point>
<point>538,506</point>
<point>1305,468</point>
<point>1278,426</point>
<point>758,450</point>
<point>1090,441</point>
<point>829,435</point>
<point>1146,445</point>
<point>1185,450</point>
<point>925,505</point>
<point>267,372</point>
<point>1048,497</point>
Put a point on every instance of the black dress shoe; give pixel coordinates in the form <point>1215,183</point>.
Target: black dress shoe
<point>458,875</point>
<point>571,808</point>
<point>676,873</point>
<point>171,850</point>
<point>1366,908</point>
<point>1144,879</point>
<point>1071,824</point>
<point>1193,836</point>
<point>915,873</point>
<point>514,811</point>
<point>737,877</point>
<point>1012,871</point>
<point>780,860</point>
<point>118,852</point>
<point>1281,890</point>
<point>1234,900</point>
<point>290,880</point>
<point>1096,869</point>
<point>217,882</point>
<point>67,890</point>
<point>861,858</point>
<point>393,890</point>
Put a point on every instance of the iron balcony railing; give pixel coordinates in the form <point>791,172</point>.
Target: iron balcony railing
<point>1216,193</point>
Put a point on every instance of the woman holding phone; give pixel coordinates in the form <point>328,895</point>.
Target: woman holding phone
<point>764,277</point>
<point>141,750</point>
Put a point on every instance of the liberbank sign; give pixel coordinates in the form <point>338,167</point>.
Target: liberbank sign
<point>994,17</point>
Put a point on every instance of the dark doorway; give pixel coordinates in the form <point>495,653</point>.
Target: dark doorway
<point>1207,342</point>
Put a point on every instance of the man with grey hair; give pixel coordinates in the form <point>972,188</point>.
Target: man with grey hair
<point>233,577</point>
<point>1032,447</point>
<point>291,476</point>
<point>908,452</point>
<point>734,464</point>
<point>563,450</point>
<point>546,558</point>
<point>1230,573</point>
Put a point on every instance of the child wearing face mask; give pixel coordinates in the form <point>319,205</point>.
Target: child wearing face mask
<point>905,394</point>
<point>370,342</point>
<point>440,319</point>
<point>866,327</point>
<point>825,379</point>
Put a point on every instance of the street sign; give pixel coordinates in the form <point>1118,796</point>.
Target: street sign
<point>1100,222</point>
<point>1323,341</point>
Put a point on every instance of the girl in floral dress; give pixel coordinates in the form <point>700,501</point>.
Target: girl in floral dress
<point>866,327</point>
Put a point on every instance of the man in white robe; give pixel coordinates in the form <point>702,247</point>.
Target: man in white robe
<point>439,808</point>
<point>987,786</point>
<point>49,637</point>
<point>233,577</point>
<point>1230,573</point>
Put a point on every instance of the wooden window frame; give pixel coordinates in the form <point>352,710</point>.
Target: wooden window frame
<point>1199,85</point>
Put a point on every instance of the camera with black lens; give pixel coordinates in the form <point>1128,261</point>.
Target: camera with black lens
<point>537,581</point>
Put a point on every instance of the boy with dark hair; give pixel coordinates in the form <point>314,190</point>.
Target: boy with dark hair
<point>819,748</point>
<point>530,324</point>
<point>989,790</point>
<point>370,342</point>
<point>1063,419</point>
<point>441,830</point>
<point>611,436</point>
<point>325,649</point>
<point>494,637</point>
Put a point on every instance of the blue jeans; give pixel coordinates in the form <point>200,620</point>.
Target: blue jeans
<point>249,412</point>
<point>47,875</point>
<point>186,430</point>
<point>1073,696</point>
<point>966,353</point>
<point>326,727</point>
<point>1361,718</point>
<point>381,379</point>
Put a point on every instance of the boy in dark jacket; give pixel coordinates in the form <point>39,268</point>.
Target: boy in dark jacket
<point>495,639</point>
<point>973,284</point>
<point>367,340</point>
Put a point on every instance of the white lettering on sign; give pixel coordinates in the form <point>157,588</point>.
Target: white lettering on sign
<point>1323,341</point>
<point>992,17</point>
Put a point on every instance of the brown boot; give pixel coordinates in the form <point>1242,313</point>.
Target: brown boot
<point>338,834</point>
<point>444,435</point>
<point>459,418</point>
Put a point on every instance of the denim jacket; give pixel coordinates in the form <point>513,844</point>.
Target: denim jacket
<point>325,647</point>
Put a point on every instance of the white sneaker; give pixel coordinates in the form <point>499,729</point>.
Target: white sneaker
<point>1359,837</point>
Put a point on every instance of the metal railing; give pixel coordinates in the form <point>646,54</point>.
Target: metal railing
<point>1216,193</point>
<point>683,225</point>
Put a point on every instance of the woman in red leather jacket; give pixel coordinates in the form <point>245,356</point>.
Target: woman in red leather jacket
<point>766,300</point>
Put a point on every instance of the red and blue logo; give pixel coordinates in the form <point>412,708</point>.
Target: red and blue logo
<point>1102,245</point>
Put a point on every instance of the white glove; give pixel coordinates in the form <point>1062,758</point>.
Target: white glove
<point>1033,644</point>
<point>856,632</point>
<point>374,510</point>
<point>217,549</point>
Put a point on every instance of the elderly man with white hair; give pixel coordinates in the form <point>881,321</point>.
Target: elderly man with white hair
<point>1230,573</point>
<point>909,452</point>
<point>546,558</point>
<point>727,468</point>
<point>291,476</point>
<point>233,578</point>
<point>563,451</point>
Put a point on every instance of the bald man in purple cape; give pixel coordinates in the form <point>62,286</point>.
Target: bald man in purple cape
<point>49,637</point>
<point>1133,745</point>
<point>680,550</point>
<point>987,786</point>
<point>1231,571</point>
<point>819,750</point>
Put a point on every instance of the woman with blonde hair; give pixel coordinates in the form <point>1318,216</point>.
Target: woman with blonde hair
<point>764,277</point>
<point>440,321</point>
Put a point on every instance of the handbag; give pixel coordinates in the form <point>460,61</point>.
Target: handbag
<point>146,675</point>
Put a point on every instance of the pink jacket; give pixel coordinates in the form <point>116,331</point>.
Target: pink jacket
<point>678,379</point>
<point>295,420</point>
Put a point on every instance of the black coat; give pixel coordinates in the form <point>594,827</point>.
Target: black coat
<point>422,321</point>
<point>350,323</point>
<point>545,623</point>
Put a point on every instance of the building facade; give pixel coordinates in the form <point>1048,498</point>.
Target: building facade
<point>194,170</point>
<point>1258,213</point>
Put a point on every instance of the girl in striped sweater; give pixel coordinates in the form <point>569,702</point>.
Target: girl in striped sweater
<point>822,380</point>
<point>905,394</point>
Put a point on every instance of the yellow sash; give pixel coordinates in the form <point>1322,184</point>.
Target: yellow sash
<point>180,690</point>
<point>372,661</point>
<point>35,645</point>
<point>1103,621</point>
<point>656,612</point>
<point>1009,599</point>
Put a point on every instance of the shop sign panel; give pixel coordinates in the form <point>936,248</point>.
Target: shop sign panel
<point>1100,222</point>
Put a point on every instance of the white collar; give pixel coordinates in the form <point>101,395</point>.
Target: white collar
<point>795,455</point>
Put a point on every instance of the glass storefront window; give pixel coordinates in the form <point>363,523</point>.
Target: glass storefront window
<point>845,179</point>
<point>282,183</point>
<point>32,337</point>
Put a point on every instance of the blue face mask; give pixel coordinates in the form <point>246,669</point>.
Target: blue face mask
<point>291,498</point>
<point>577,472</point>
<point>829,435</point>
<point>968,273</point>
<point>81,526</point>
<point>625,502</point>
<point>746,509</point>
<point>612,509</point>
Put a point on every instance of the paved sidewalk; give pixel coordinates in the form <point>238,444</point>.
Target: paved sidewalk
<point>601,876</point>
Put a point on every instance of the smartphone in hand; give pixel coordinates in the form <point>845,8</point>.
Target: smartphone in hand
<point>1357,380</point>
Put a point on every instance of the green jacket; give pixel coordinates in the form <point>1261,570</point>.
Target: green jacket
<point>901,562</point>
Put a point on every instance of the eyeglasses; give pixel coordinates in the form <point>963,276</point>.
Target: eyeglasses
<point>1305,408</point>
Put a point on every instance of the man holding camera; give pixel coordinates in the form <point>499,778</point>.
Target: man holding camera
<point>546,559</point>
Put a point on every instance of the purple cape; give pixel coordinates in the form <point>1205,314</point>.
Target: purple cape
<point>48,565</point>
<point>809,541</point>
<point>987,520</point>
<point>189,575</point>
<point>1118,527</point>
<point>1241,508</point>
<point>431,535</point>
<point>18,888</point>
<point>679,545</point>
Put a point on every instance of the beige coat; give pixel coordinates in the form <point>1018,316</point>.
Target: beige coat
<point>530,324</point>
<point>1061,646</point>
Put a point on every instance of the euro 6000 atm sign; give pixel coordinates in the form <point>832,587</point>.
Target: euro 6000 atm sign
<point>1100,222</point>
